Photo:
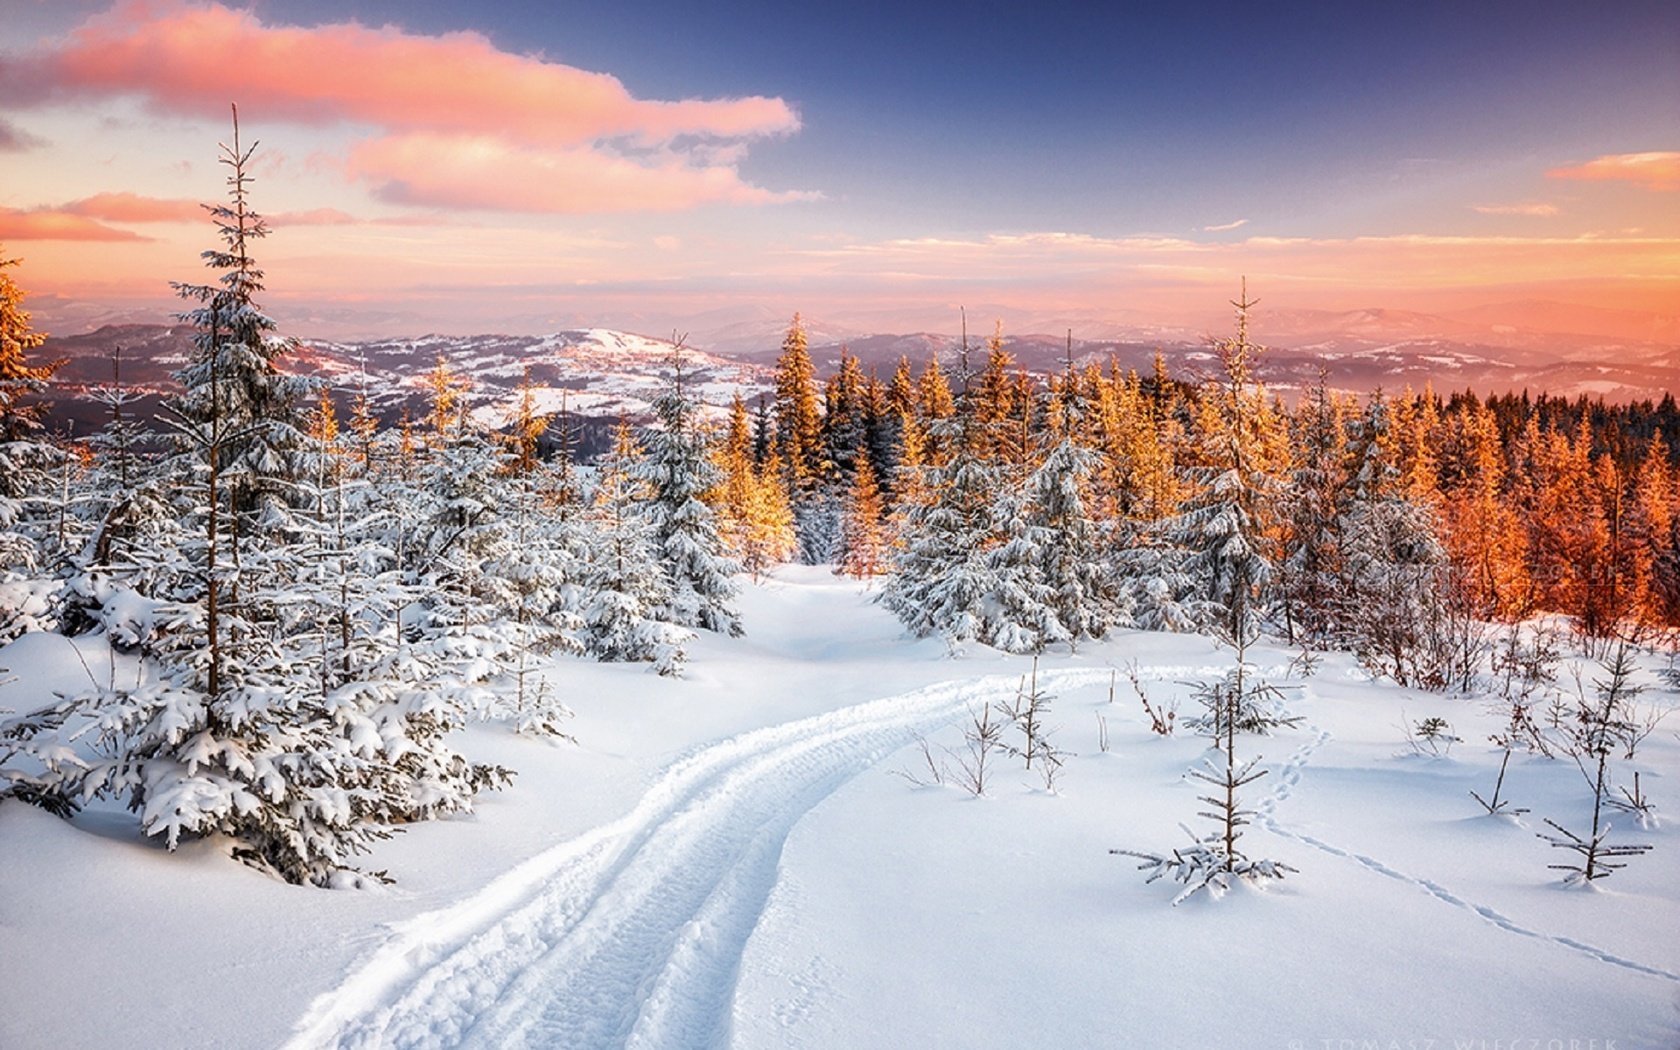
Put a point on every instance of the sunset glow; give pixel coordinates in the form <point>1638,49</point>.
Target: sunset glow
<point>434,171</point>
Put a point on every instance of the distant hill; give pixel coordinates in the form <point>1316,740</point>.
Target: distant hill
<point>600,373</point>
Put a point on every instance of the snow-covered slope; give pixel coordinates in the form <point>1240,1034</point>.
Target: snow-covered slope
<point>729,860</point>
<point>592,372</point>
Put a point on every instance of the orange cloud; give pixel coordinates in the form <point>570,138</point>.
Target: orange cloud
<point>52,224</point>
<point>1654,171</point>
<point>456,92</point>
<point>485,173</point>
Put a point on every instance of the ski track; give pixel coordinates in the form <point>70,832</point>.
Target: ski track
<point>631,935</point>
<point>1290,775</point>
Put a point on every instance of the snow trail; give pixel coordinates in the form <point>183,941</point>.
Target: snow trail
<point>631,935</point>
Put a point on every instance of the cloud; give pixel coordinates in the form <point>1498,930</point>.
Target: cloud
<point>53,224</point>
<point>14,139</point>
<point>1399,261</point>
<point>1654,171</point>
<point>449,171</point>
<point>1238,224</point>
<point>132,207</point>
<point>456,92</point>
<point>1536,210</point>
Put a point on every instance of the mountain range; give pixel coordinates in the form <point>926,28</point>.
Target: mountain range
<point>606,373</point>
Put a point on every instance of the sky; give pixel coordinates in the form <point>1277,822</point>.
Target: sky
<point>520,167</point>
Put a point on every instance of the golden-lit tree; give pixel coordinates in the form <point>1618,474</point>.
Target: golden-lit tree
<point>755,520</point>
<point>526,430</point>
<point>447,392</point>
<point>863,538</point>
<point>18,378</point>
<point>798,418</point>
<point>1484,538</point>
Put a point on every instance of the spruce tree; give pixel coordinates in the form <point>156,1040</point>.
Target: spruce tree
<point>678,472</point>
<point>626,589</point>
<point>29,468</point>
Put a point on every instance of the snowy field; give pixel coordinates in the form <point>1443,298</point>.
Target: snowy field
<point>743,858</point>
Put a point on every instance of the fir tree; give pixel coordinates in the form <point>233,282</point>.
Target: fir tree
<point>28,467</point>
<point>625,584</point>
<point>677,471</point>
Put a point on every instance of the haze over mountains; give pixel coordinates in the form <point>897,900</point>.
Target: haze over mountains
<point>605,372</point>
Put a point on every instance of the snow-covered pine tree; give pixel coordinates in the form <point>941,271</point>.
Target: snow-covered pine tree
<point>678,472</point>
<point>804,463</point>
<point>1313,544</point>
<point>29,472</point>
<point>1071,561</point>
<point>1599,729</point>
<point>625,587</point>
<point>234,374</point>
<point>968,570</point>
<point>1392,580</point>
<point>1225,530</point>
<point>248,722</point>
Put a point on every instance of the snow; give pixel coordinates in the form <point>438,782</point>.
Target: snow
<point>730,859</point>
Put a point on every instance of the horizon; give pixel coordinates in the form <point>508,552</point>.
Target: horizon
<point>656,169</point>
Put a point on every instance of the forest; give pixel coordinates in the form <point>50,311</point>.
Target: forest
<point>315,603</point>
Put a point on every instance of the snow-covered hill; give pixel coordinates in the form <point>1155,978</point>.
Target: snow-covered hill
<point>591,372</point>
<point>730,860</point>
<point>602,373</point>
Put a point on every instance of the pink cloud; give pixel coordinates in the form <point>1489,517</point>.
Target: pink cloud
<point>486,173</point>
<point>14,139</point>
<point>1541,211</point>
<point>188,59</point>
<point>313,217</point>
<point>51,224</point>
<point>455,93</point>
<point>1654,171</point>
<point>132,207</point>
<point>1222,227</point>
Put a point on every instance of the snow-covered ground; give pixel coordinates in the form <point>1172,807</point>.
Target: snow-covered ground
<point>730,860</point>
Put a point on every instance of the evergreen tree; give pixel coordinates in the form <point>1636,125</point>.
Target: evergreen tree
<point>798,418</point>
<point>863,540</point>
<point>677,471</point>
<point>1222,542</point>
<point>27,468</point>
<point>253,720</point>
<point>625,585</point>
<point>755,522</point>
<point>1313,543</point>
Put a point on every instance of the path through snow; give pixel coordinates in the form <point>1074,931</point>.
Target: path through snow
<point>631,935</point>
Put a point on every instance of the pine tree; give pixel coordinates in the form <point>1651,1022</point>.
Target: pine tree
<point>1390,586</point>
<point>19,380</point>
<point>27,469</point>
<point>863,540</point>
<point>625,586</point>
<point>798,418</point>
<point>1483,534</point>
<point>1071,561</point>
<point>755,522</point>
<point>677,471</point>
<point>1222,544</point>
<point>252,721</point>
<point>1313,542</point>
